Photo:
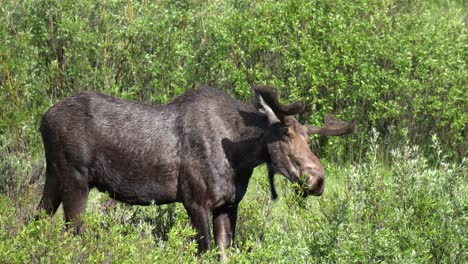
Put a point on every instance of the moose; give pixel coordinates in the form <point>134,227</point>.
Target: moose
<point>199,150</point>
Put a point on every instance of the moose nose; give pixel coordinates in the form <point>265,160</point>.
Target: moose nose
<point>315,183</point>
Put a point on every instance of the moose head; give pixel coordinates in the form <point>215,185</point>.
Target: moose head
<point>288,142</point>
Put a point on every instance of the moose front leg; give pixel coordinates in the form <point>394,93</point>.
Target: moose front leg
<point>199,217</point>
<point>224,225</point>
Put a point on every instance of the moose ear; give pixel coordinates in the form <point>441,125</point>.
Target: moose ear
<point>263,107</point>
<point>332,127</point>
<point>257,100</point>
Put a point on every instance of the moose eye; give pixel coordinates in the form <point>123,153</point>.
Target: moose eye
<point>285,135</point>
<point>284,131</point>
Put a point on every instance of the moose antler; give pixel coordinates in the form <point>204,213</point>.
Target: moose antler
<point>270,96</point>
<point>332,127</point>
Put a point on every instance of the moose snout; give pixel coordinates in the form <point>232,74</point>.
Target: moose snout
<point>315,183</point>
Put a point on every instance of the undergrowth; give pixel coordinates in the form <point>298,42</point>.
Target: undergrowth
<point>411,211</point>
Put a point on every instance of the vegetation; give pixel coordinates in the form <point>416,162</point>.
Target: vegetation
<point>396,190</point>
<point>409,212</point>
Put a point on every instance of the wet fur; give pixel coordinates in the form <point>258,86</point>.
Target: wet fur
<point>199,149</point>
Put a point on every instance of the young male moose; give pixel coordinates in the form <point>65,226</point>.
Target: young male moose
<point>199,150</point>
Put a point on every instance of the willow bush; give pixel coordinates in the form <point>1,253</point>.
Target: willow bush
<point>392,65</point>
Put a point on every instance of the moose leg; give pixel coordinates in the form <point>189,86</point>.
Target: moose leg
<point>50,200</point>
<point>75,197</point>
<point>224,224</point>
<point>233,219</point>
<point>201,222</point>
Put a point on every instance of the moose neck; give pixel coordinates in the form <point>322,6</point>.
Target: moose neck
<point>247,149</point>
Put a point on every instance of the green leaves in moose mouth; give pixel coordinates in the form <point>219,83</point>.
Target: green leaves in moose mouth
<point>300,187</point>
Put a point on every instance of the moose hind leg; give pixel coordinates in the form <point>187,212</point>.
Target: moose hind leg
<point>50,200</point>
<point>75,197</point>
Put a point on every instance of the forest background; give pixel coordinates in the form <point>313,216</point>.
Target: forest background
<point>396,189</point>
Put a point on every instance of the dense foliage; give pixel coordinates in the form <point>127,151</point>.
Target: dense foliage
<point>392,65</point>
<point>396,68</point>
